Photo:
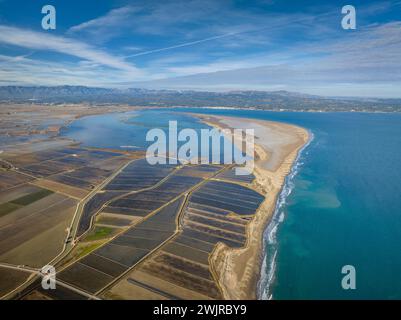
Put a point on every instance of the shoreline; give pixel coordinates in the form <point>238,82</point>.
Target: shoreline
<point>239,270</point>
<point>269,235</point>
<point>253,108</point>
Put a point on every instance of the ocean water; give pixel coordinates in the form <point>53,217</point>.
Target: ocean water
<point>341,204</point>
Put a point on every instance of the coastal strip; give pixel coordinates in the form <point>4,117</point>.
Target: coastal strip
<point>276,149</point>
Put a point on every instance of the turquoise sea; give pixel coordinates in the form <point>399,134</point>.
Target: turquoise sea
<point>340,206</point>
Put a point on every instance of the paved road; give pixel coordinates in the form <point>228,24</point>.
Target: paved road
<point>18,267</point>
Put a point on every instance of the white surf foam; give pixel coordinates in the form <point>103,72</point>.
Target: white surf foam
<point>270,247</point>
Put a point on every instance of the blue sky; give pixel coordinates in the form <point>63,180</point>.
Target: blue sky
<point>205,45</point>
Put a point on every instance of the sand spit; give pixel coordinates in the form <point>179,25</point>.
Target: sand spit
<point>276,148</point>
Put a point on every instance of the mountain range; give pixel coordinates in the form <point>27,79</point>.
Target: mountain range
<point>264,100</point>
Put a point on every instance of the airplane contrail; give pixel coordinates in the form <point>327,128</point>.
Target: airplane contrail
<point>183,44</point>
<point>187,44</point>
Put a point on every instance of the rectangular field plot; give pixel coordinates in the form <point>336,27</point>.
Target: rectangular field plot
<point>151,195</point>
<point>6,208</point>
<point>159,226</point>
<point>135,203</point>
<point>226,218</point>
<point>44,169</point>
<point>50,162</point>
<point>71,150</point>
<point>36,157</point>
<point>214,228</point>
<point>194,243</point>
<point>125,255</point>
<point>139,175</point>
<point>32,197</point>
<point>104,265</point>
<point>60,293</point>
<point>133,208</point>
<point>177,183</point>
<point>181,278</point>
<point>223,195</point>
<point>113,220</point>
<point>225,234</point>
<point>201,171</point>
<point>158,235</point>
<point>228,196</point>
<point>242,201</point>
<point>72,161</point>
<point>140,243</point>
<point>25,199</point>
<point>186,252</point>
<point>231,188</point>
<point>230,175</point>
<point>73,192</point>
<point>84,277</point>
<point>241,210</point>
<point>11,279</point>
<point>74,182</point>
<point>188,266</point>
<point>205,208</point>
<point>141,285</point>
<point>212,239</point>
<point>17,192</point>
<point>84,177</point>
<point>225,225</point>
<point>150,200</point>
<point>92,157</point>
<point>142,291</point>
<point>127,211</point>
<point>169,213</point>
<point>9,179</point>
<point>90,174</point>
<point>102,154</point>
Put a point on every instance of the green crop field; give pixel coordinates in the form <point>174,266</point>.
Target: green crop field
<point>8,207</point>
<point>99,233</point>
<point>30,198</point>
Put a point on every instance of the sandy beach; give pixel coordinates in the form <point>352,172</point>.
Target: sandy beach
<point>276,148</point>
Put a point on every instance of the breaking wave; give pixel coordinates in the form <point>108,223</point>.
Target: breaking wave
<point>270,246</point>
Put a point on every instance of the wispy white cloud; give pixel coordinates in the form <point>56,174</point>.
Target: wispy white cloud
<point>106,27</point>
<point>22,70</point>
<point>367,58</point>
<point>43,41</point>
<point>114,17</point>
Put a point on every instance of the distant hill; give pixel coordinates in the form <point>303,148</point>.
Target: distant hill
<point>264,100</point>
